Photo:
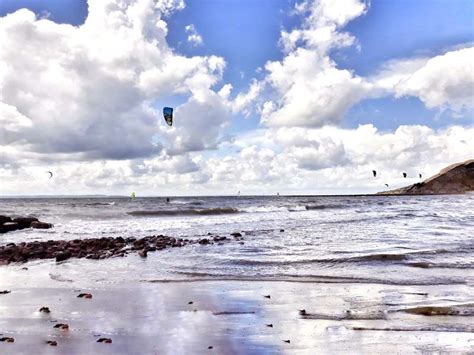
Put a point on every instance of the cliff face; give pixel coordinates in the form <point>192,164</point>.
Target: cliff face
<point>455,179</point>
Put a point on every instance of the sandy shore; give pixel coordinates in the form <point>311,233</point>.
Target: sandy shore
<point>231,316</point>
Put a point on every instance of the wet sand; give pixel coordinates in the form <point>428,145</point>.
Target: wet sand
<point>231,316</point>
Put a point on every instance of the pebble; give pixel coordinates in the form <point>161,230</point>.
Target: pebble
<point>105,340</point>
<point>7,339</point>
<point>61,326</point>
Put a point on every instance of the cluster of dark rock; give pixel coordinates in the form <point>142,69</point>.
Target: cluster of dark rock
<point>9,224</point>
<point>95,248</point>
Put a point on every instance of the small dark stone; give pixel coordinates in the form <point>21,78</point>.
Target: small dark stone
<point>40,225</point>
<point>4,292</point>
<point>105,340</point>
<point>4,219</point>
<point>63,256</point>
<point>267,296</point>
<point>282,230</point>
<point>190,302</point>
<point>61,326</point>
<point>286,341</point>
<point>204,241</point>
<point>52,342</point>
<point>303,312</point>
<point>84,295</point>
<point>143,253</point>
<point>7,339</point>
<point>236,235</point>
<point>210,347</point>
<point>45,310</point>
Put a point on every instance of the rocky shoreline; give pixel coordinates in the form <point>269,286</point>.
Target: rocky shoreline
<point>9,224</point>
<point>97,248</point>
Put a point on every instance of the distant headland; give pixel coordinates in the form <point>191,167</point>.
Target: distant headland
<point>455,179</point>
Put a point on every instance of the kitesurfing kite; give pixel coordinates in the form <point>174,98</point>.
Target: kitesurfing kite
<point>420,176</point>
<point>386,185</point>
<point>168,115</point>
<point>50,174</point>
<point>404,175</point>
<point>374,172</point>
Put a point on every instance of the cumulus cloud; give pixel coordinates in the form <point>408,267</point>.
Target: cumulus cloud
<point>193,36</point>
<point>310,89</point>
<point>443,81</point>
<point>89,91</point>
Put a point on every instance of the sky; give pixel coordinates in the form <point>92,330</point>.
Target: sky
<point>288,96</point>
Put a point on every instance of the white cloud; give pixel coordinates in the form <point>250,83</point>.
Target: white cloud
<point>193,36</point>
<point>88,91</point>
<point>444,81</point>
<point>310,89</point>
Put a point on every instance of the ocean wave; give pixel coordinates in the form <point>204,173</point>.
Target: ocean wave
<point>324,207</point>
<point>100,204</point>
<point>266,209</point>
<point>323,279</point>
<point>186,212</point>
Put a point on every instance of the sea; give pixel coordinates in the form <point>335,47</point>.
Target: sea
<point>397,240</point>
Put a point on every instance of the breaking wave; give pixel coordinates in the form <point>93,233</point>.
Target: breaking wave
<point>186,212</point>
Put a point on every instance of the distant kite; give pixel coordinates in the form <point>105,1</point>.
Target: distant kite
<point>50,174</point>
<point>420,176</point>
<point>404,175</point>
<point>386,185</point>
<point>168,115</point>
<point>374,172</point>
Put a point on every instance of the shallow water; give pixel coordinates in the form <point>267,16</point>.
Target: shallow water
<point>405,240</point>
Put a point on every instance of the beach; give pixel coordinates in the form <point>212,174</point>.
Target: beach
<point>359,275</point>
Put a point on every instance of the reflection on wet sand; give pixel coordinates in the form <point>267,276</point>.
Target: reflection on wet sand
<point>235,317</point>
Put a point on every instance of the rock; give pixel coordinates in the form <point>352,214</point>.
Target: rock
<point>143,253</point>
<point>204,241</point>
<point>267,296</point>
<point>63,256</point>
<point>7,339</point>
<point>61,326</point>
<point>270,325</point>
<point>219,239</point>
<point>286,341</point>
<point>44,310</point>
<point>9,227</point>
<point>52,343</point>
<point>236,235</point>
<point>4,292</point>
<point>210,347</point>
<point>25,222</point>
<point>84,295</point>
<point>282,230</point>
<point>40,225</point>
<point>105,340</point>
<point>303,312</point>
<point>5,219</point>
